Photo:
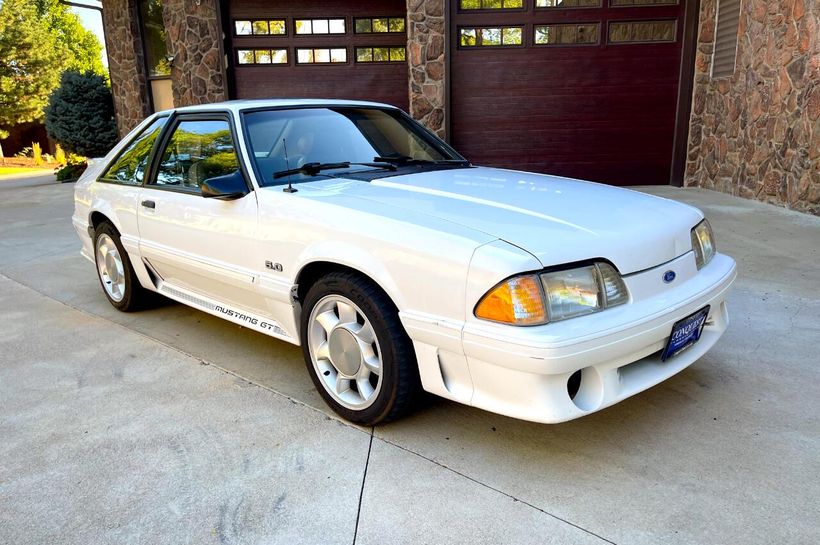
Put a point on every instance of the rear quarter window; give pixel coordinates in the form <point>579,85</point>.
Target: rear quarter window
<point>129,167</point>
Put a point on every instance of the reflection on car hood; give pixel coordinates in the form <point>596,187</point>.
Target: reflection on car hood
<point>559,220</point>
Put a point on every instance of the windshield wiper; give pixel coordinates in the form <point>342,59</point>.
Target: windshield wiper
<point>401,160</point>
<point>312,169</point>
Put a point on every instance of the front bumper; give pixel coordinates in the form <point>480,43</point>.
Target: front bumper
<point>524,372</point>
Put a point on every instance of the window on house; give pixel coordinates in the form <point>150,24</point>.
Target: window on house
<point>725,52</point>
<point>381,54</point>
<point>490,36</point>
<point>568,3</point>
<point>262,56</point>
<point>491,4</point>
<point>153,36</point>
<point>320,55</point>
<point>374,25</point>
<point>572,34</point>
<point>631,32</point>
<point>271,27</point>
<point>157,64</point>
<point>320,26</point>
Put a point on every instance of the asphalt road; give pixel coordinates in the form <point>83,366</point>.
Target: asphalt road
<point>172,426</point>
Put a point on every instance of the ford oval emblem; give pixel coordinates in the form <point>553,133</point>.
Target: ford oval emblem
<point>669,276</point>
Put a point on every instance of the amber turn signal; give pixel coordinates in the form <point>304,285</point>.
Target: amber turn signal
<point>518,300</point>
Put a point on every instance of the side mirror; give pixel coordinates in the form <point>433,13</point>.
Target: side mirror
<point>227,187</point>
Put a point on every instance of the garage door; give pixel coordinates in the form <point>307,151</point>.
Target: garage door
<point>579,88</point>
<point>353,50</point>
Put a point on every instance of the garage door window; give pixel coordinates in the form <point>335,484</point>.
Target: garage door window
<point>320,26</point>
<point>197,151</point>
<point>378,25</point>
<point>273,27</point>
<point>490,36</point>
<point>632,32</point>
<point>568,3</point>
<point>574,34</point>
<point>491,4</point>
<point>262,56</point>
<point>620,3</point>
<point>381,54</point>
<point>319,55</point>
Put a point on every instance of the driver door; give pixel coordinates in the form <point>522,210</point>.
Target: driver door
<point>204,245</point>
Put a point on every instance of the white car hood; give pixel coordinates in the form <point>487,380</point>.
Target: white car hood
<point>558,220</point>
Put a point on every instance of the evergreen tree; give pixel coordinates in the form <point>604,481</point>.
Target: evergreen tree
<point>80,114</point>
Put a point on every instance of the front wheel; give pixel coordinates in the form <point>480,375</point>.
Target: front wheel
<point>357,352</point>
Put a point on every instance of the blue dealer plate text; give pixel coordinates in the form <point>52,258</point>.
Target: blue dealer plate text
<point>685,333</point>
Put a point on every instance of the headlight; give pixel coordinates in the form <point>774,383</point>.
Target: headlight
<point>533,299</point>
<point>703,242</point>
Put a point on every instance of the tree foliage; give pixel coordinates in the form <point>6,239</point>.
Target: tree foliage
<point>30,63</point>
<point>38,41</point>
<point>81,48</point>
<point>80,114</point>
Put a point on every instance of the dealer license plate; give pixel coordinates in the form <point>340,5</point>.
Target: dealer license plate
<point>685,333</point>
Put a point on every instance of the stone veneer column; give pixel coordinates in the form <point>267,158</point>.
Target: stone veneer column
<point>126,63</point>
<point>425,48</point>
<point>194,37</point>
<point>757,134</point>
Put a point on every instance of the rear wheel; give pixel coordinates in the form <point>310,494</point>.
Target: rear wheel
<point>117,277</point>
<point>357,352</point>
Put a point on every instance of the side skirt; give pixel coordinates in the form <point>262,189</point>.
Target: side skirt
<point>226,311</point>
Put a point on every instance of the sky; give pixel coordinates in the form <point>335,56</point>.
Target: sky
<point>92,20</point>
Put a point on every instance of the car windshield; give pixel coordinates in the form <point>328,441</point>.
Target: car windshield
<point>281,140</point>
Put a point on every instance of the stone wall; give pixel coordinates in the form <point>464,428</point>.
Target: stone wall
<point>425,48</point>
<point>757,134</point>
<point>126,63</point>
<point>193,36</point>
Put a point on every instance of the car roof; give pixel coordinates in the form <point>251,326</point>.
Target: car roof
<point>247,104</point>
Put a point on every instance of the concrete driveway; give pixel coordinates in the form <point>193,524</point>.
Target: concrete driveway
<point>171,426</point>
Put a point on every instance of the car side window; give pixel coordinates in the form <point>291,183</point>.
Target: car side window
<point>197,151</point>
<point>129,168</point>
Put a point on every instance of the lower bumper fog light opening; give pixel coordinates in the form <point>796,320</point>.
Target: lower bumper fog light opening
<point>586,389</point>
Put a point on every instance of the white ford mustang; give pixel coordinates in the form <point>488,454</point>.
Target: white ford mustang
<point>348,229</point>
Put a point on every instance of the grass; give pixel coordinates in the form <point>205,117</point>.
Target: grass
<point>5,171</point>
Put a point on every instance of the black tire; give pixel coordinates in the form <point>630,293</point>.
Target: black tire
<point>135,297</point>
<point>401,386</point>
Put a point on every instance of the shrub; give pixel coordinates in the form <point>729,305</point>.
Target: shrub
<point>80,114</point>
<point>59,155</point>
<point>37,153</point>
<point>72,170</point>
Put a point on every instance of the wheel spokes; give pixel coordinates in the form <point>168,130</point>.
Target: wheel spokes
<point>347,314</point>
<point>373,365</point>
<point>354,379</point>
<point>323,351</point>
<point>328,320</point>
<point>342,384</point>
<point>365,389</point>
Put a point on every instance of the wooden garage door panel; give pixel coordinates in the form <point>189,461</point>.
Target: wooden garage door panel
<point>380,82</point>
<point>601,112</point>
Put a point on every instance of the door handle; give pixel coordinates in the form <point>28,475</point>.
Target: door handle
<point>149,204</point>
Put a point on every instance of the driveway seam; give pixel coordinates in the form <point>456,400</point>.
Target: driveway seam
<point>490,487</point>
<point>364,479</point>
<point>316,410</point>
